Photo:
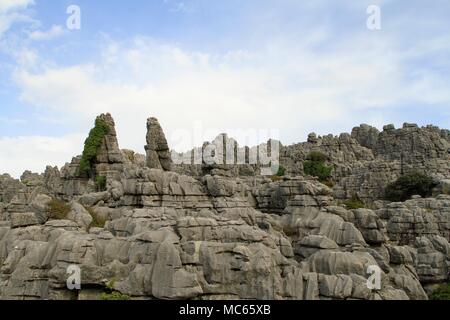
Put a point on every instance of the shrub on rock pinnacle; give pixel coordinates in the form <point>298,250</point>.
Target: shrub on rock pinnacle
<point>92,145</point>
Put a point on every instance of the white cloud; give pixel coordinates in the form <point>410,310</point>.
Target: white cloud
<point>286,86</point>
<point>10,12</point>
<point>54,32</point>
<point>180,88</point>
<point>14,121</point>
<point>35,152</point>
<point>295,92</point>
<point>10,5</point>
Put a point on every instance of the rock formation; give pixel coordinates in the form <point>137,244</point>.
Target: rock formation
<point>157,149</point>
<point>216,233</point>
<point>109,156</point>
<point>368,160</point>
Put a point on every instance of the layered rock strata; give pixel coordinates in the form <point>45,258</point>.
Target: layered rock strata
<point>159,234</point>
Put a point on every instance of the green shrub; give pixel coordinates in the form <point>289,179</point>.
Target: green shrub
<point>317,157</point>
<point>58,209</point>
<point>315,166</point>
<point>281,171</point>
<point>92,145</point>
<point>354,203</point>
<point>441,293</point>
<point>100,182</point>
<point>415,183</point>
<point>112,294</point>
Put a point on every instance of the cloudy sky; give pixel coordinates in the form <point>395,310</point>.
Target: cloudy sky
<point>207,66</point>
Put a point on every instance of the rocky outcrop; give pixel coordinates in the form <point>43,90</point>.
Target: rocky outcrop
<point>363,162</point>
<point>366,161</point>
<point>366,135</point>
<point>174,237</point>
<point>417,217</point>
<point>154,233</point>
<point>134,158</point>
<point>9,187</point>
<point>157,149</point>
<point>109,156</point>
<point>412,144</point>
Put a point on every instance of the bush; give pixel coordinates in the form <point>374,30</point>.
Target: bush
<point>315,166</point>
<point>112,294</point>
<point>408,185</point>
<point>281,171</point>
<point>354,203</point>
<point>92,144</point>
<point>441,293</point>
<point>100,182</point>
<point>58,209</point>
<point>317,157</point>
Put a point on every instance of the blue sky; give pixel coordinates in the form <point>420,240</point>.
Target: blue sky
<point>288,66</point>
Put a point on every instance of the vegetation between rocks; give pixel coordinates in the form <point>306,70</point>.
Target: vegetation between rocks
<point>58,209</point>
<point>112,294</point>
<point>92,145</point>
<point>354,203</point>
<point>441,293</point>
<point>315,166</point>
<point>97,220</point>
<point>408,185</point>
<point>281,171</point>
<point>280,174</point>
<point>100,182</point>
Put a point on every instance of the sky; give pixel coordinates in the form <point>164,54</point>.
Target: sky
<point>280,68</point>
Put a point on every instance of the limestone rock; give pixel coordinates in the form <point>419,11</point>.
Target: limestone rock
<point>109,157</point>
<point>223,230</point>
<point>169,279</point>
<point>366,135</point>
<point>24,219</point>
<point>79,215</point>
<point>158,152</point>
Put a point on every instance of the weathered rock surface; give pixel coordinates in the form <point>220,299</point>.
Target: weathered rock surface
<point>109,156</point>
<point>220,234</point>
<point>158,152</point>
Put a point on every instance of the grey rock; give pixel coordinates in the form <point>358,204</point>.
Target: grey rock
<point>223,231</point>
<point>158,153</point>
<point>79,215</point>
<point>91,199</point>
<point>24,219</point>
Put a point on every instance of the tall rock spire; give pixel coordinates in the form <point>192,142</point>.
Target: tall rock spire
<point>157,149</point>
<point>109,157</point>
